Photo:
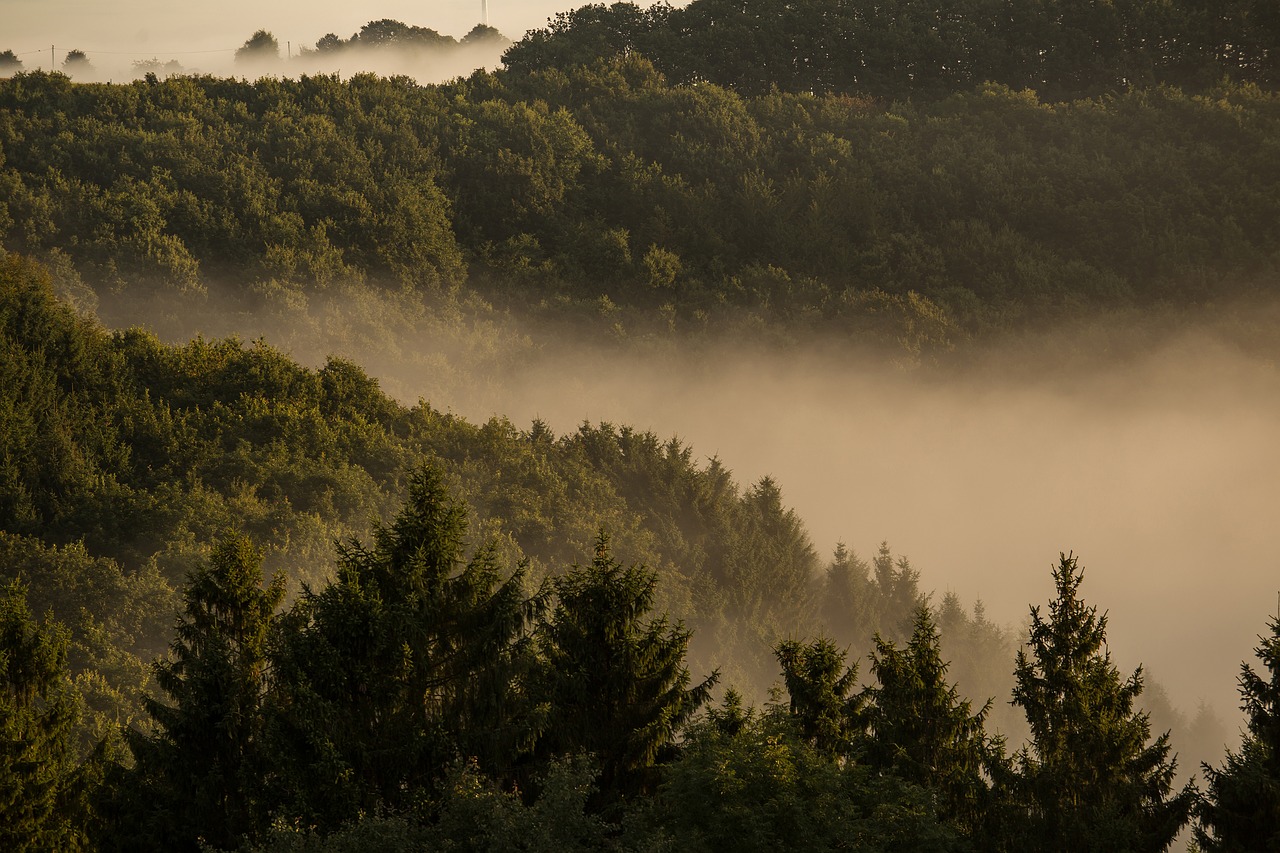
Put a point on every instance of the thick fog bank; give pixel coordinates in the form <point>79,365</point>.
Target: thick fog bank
<point>1159,472</point>
<point>1148,451</point>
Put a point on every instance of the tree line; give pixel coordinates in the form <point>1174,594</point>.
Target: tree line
<point>429,698</point>
<point>907,49</point>
<point>605,199</point>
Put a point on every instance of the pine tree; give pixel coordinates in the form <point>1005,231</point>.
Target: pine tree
<point>1091,779</point>
<point>1241,809</point>
<point>823,705</point>
<point>923,732</point>
<point>410,661</point>
<point>42,785</point>
<point>615,686</point>
<point>197,778</point>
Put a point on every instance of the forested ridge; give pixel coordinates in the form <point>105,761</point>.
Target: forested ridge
<point>254,604</point>
<point>603,198</point>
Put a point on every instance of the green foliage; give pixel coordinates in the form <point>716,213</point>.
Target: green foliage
<point>615,686</point>
<point>198,779</point>
<point>824,708</point>
<point>908,49</point>
<point>1091,778</point>
<point>922,731</point>
<point>1241,808</point>
<point>43,792</point>
<point>406,662</point>
<point>898,227</point>
<point>759,785</point>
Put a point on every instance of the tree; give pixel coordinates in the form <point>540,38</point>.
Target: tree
<point>1241,808</point>
<point>485,36</point>
<point>823,704</point>
<point>615,685</point>
<point>77,64</point>
<point>923,732</point>
<point>260,49</point>
<point>406,663</point>
<point>42,804</point>
<point>1091,779</point>
<point>197,779</point>
<point>9,63</point>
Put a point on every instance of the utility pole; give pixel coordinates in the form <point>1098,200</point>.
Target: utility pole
<point>50,58</point>
<point>484,12</point>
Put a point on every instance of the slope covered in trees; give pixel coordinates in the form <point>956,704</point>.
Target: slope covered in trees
<point>616,204</point>
<point>1064,49</point>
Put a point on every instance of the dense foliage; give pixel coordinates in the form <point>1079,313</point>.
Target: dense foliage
<point>1241,808</point>
<point>607,199</point>
<point>910,49</point>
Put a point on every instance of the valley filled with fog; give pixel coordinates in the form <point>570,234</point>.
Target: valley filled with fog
<point>1159,472</point>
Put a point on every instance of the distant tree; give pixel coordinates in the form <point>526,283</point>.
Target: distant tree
<point>77,64</point>
<point>261,48</point>
<point>1091,779</point>
<point>387,32</point>
<point>9,63</point>
<point>615,684</point>
<point>483,34</point>
<point>41,782</point>
<point>197,778</point>
<point>156,67</point>
<point>1241,809</point>
<point>330,42</point>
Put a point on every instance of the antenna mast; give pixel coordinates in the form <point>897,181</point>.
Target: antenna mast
<point>484,12</point>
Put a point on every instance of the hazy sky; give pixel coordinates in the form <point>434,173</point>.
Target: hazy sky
<point>115,32</point>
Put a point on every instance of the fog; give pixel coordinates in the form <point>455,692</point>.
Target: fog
<point>1155,461</point>
<point>1159,471</point>
<point>204,37</point>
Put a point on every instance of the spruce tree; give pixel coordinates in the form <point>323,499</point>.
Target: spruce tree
<point>823,704</point>
<point>42,785</point>
<point>1241,809</point>
<point>1092,779</point>
<point>410,661</point>
<point>615,685</point>
<point>922,731</point>
<point>197,779</point>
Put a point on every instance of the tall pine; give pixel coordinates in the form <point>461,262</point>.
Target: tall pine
<point>1241,809</point>
<point>614,680</point>
<point>197,778</point>
<point>1091,779</point>
<point>42,804</point>
<point>823,704</point>
<point>410,661</point>
<point>922,731</point>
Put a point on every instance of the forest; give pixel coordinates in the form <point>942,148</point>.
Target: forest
<point>254,601</point>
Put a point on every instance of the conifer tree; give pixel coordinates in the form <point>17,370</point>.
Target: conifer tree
<point>408,662</point>
<point>823,704</point>
<point>923,732</point>
<point>615,685</point>
<point>1091,779</point>
<point>1241,809</point>
<point>197,779</point>
<point>41,783</point>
